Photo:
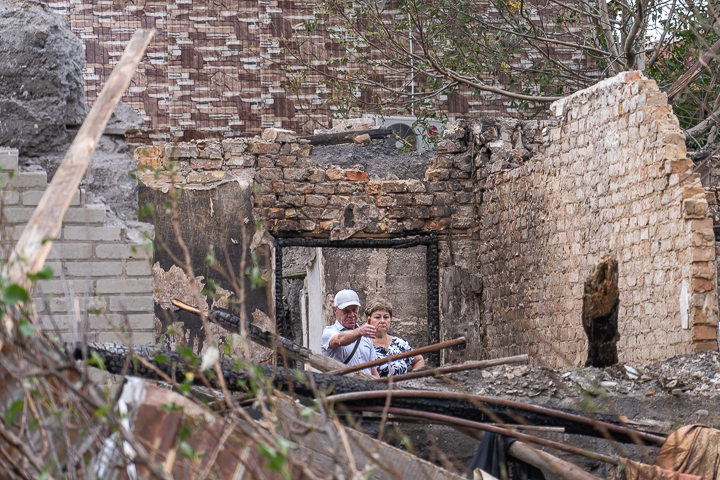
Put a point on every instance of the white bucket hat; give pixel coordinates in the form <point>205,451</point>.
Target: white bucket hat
<point>345,298</point>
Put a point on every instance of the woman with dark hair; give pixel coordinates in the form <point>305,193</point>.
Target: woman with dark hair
<point>379,315</point>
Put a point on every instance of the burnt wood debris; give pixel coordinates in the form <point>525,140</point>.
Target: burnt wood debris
<point>237,377</point>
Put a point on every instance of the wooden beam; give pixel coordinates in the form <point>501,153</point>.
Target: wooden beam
<point>438,372</point>
<point>36,240</point>
<point>537,458</point>
<point>380,361</point>
<point>693,73</point>
<point>346,137</point>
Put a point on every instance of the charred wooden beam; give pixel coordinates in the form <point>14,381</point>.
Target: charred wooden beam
<point>352,391</point>
<point>346,137</point>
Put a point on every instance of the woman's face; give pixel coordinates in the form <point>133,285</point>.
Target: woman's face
<point>380,319</point>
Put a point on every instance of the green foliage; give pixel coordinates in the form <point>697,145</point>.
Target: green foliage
<point>276,456</point>
<point>15,409</point>
<point>13,294</point>
<point>254,272</point>
<point>413,57</point>
<point>26,328</point>
<point>45,274</point>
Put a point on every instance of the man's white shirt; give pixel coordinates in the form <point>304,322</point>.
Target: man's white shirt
<point>364,353</point>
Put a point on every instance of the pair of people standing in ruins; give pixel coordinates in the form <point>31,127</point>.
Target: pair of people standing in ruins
<point>354,344</point>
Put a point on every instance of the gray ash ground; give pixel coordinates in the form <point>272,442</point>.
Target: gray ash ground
<point>683,389</point>
<point>380,160</point>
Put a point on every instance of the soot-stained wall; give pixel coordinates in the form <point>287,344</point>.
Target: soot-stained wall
<point>209,218</point>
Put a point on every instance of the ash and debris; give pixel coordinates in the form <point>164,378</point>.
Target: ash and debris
<point>379,159</point>
<point>684,388</point>
<point>696,374</point>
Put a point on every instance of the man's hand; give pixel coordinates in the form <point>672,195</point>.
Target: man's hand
<point>367,330</point>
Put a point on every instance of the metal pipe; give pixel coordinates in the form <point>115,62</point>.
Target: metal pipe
<point>437,372</point>
<point>599,425</point>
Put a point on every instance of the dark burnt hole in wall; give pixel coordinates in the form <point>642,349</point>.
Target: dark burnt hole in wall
<point>601,300</point>
<point>349,264</point>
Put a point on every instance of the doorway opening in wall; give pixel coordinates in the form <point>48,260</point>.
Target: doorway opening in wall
<point>309,271</point>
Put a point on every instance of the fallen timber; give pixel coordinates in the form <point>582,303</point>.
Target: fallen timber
<point>115,357</point>
<point>346,137</point>
<point>270,340</point>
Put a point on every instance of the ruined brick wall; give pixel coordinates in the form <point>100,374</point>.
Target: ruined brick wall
<point>99,267</point>
<point>613,178</point>
<point>523,210</point>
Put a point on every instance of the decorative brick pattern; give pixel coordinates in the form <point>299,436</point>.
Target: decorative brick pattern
<point>218,69</point>
<point>94,264</point>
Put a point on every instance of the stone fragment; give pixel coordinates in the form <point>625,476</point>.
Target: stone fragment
<point>286,161</point>
<point>450,146</point>
<point>209,150</point>
<point>279,135</point>
<point>301,150</point>
<point>149,157</point>
<point>241,160</point>
<point>205,177</point>
<point>356,176</point>
<point>335,174</point>
<point>234,146</point>
<point>364,138</point>
<point>258,147</point>
<point>181,150</point>
<point>695,208</point>
<point>206,163</point>
<point>316,200</point>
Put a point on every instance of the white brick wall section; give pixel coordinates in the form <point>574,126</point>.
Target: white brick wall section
<point>26,179</point>
<point>124,285</point>
<point>102,234</point>
<point>32,198</point>
<point>8,158</point>
<point>95,269</point>
<point>137,268</point>
<point>131,303</point>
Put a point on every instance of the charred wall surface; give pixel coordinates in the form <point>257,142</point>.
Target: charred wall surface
<point>210,223</point>
<point>522,211</point>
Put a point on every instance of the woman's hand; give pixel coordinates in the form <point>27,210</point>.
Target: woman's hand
<point>418,362</point>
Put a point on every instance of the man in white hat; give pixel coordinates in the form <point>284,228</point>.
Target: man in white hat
<point>344,340</point>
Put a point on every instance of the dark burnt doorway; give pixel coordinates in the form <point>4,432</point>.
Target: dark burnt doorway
<point>286,320</point>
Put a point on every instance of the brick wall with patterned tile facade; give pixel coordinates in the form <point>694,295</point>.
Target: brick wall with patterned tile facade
<point>216,69</point>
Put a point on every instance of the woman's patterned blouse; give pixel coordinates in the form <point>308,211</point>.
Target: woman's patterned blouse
<point>396,367</point>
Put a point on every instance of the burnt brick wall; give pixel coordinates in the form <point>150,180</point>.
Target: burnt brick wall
<point>523,211</point>
<point>613,178</point>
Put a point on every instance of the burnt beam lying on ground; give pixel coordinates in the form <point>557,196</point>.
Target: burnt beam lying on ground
<point>153,363</point>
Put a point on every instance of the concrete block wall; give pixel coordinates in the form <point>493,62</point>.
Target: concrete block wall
<point>98,266</point>
<point>613,178</point>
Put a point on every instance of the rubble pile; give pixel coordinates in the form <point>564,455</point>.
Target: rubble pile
<point>696,374</point>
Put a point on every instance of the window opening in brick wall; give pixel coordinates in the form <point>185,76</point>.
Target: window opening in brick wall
<point>284,318</point>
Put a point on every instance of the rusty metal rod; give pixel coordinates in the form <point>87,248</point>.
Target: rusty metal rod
<point>380,361</point>
<point>347,397</point>
<point>437,372</point>
<point>446,419</point>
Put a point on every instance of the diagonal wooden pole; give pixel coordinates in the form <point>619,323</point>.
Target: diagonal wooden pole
<point>36,241</point>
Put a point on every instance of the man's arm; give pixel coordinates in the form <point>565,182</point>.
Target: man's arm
<point>349,336</point>
<point>345,338</point>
